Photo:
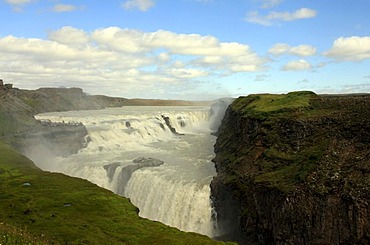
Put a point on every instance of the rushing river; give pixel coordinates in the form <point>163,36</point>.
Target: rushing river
<point>159,157</point>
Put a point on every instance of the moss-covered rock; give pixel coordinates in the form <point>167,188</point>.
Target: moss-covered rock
<point>294,169</point>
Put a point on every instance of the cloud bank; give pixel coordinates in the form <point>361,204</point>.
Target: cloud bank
<point>123,61</point>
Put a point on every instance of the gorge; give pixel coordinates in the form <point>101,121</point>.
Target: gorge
<point>289,169</point>
<point>159,157</point>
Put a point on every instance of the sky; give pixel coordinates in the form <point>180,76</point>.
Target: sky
<point>186,49</point>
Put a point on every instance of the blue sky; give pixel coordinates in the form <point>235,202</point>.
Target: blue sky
<point>186,49</point>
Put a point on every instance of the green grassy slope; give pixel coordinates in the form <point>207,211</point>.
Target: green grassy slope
<point>267,105</point>
<point>38,207</point>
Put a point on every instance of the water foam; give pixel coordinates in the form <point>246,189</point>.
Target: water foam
<point>177,192</point>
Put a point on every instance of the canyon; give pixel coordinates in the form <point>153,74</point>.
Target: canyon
<point>291,168</point>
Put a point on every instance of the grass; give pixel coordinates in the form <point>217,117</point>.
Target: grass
<point>284,169</point>
<point>6,124</point>
<point>264,104</point>
<point>48,208</point>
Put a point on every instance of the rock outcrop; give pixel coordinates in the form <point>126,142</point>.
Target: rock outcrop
<point>294,169</point>
<point>61,139</point>
<point>127,171</point>
<point>168,124</point>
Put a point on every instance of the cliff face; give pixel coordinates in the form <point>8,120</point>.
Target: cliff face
<point>294,169</point>
<point>19,128</point>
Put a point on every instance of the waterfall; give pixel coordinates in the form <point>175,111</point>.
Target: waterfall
<point>159,157</point>
<point>178,203</point>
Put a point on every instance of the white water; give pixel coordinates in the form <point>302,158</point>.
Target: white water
<point>176,193</point>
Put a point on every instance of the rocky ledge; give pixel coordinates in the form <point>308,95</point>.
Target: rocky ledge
<point>294,169</point>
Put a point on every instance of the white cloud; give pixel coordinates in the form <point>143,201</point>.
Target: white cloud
<point>70,36</point>
<point>131,62</point>
<point>187,73</point>
<point>164,57</point>
<point>207,50</point>
<point>273,16</point>
<point>270,3</point>
<point>64,8</point>
<point>212,59</point>
<point>297,65</point>
<point>18,5</point>
<point>279,49</point>
<point>142,5</point>
<point>300,50</point>
<point>18,2</point>
<point>303,50</point>
<point>350,49</point>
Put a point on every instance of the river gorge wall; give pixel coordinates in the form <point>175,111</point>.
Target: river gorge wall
<point>294,169</point>
<point>19,128</point>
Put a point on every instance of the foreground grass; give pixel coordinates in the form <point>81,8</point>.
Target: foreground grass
<point>38,207</point>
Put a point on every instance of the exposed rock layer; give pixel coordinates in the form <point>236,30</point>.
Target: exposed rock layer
<point>19,128</point>
<point>294,169</point>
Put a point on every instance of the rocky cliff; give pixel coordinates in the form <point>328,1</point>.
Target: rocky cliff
<point>19,128</point>
<point>294,169</point>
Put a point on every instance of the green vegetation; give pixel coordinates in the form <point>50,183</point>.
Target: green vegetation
<point>284,170</point>
<point>14,116</point>
<point>278,140</point>
<point>284,159</point>
<point>48,208</point>
<point>265,104</point>
<point>276,152</point>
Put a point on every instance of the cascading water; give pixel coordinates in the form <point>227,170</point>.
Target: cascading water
<point>159,157</point>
